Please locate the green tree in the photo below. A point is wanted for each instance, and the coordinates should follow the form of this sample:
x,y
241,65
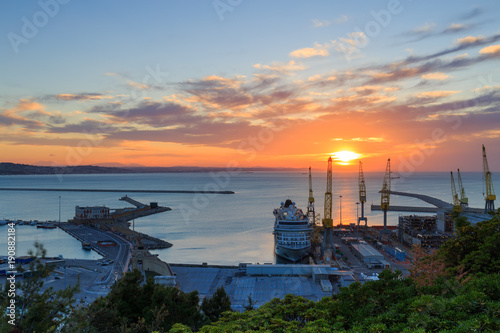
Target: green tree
x,y
214,306
134,306
475,247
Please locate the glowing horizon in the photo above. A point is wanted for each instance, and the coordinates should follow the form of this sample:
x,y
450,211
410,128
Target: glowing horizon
x,y
360,80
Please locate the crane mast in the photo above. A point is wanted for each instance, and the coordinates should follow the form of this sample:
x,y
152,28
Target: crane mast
x,y
464,201
456,202
362,194
490,193
310,203
385,193
327,220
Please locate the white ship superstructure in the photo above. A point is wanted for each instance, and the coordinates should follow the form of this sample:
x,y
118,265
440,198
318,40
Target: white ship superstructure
x,y
292,232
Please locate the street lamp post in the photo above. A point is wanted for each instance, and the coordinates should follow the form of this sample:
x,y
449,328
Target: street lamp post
x,y
59,209
357,218
340,197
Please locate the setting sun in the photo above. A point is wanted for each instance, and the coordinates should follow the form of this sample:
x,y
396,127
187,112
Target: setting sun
x,y
344,157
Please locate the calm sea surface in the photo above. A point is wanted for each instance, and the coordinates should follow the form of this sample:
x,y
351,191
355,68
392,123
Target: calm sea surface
x,y
218,229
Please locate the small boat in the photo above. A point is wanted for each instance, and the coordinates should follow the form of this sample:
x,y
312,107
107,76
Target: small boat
x,y
46,226
86,246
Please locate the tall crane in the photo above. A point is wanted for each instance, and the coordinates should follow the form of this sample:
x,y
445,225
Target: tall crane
x,y
456,202
490,193
310,203
385,193
327,220
464,201
362,194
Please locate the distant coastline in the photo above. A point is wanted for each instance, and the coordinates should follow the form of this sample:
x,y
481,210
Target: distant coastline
x,y
7,168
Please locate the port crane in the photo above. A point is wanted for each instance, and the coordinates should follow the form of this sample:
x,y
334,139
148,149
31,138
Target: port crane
x,y
490,193
310,203
385,193
464,201
362,194
456,201
327,220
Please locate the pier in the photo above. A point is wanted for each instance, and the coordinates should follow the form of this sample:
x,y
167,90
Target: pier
x,y
111,190
438,203
415,209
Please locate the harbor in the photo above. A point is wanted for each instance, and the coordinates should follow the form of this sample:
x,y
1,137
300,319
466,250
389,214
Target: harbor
x,y
312,258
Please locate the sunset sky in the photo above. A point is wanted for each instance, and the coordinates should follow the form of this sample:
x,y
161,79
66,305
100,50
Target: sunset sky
x,y
252,83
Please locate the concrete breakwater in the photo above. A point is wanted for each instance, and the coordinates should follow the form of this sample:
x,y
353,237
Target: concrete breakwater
x,y
111,190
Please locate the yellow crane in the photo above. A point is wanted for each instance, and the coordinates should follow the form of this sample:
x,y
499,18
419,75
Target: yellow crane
x,y
362,194
464,201
385,193
327,220
310,203
490,193
456,202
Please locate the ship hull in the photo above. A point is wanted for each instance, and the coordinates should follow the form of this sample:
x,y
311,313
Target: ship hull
x,y
292,254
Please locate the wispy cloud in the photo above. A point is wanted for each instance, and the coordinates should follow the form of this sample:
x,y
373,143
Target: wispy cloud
x,y
283,68
82,97
424,29
320,23
436,76
308,52
342,19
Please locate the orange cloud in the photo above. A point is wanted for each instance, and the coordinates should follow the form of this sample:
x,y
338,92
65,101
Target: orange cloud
x,y
309,52
436,76
283,68
88,97
470,40
492,49
436,94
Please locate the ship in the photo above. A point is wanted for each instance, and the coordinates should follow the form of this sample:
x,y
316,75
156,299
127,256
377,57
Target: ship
x,y
292,232
46,226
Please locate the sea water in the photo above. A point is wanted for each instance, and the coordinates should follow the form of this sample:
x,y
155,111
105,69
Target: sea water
x,y
212,228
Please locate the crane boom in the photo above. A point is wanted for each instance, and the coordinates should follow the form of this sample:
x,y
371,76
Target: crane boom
x,y
311,197
490,193
385,194
386,187
361,183
310,203
362,194
456,201
464,201
327,220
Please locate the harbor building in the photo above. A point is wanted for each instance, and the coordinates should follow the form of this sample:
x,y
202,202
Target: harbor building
x,y
92,213
370,256
422,231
